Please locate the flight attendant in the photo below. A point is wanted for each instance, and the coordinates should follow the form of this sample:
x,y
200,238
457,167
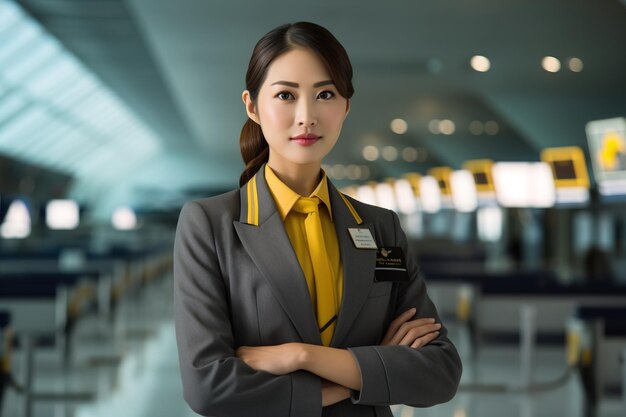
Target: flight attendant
x,y
290,298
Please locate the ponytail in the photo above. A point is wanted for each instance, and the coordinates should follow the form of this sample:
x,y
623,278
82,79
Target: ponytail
x,y
254,150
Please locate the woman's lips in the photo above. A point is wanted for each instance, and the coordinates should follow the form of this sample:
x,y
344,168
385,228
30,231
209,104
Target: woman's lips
x,y
306,139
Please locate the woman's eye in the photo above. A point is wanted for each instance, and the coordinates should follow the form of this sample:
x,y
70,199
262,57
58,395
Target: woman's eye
x,y
326,95
283,95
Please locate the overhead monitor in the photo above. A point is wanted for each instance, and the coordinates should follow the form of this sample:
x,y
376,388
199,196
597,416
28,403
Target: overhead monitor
x,y
464,195
124,218
430,194
442,175
62,214
569,171
405,197
385,196
524,184
568,166
607,148
16,223
414,180
366,194
481,171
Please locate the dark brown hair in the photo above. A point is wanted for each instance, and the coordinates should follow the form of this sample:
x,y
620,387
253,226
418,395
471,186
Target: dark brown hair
x,y
254,148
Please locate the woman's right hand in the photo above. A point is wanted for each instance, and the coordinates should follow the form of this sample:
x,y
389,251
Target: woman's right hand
x,y
414,333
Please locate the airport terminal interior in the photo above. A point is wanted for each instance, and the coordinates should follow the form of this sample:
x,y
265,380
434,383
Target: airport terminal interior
x,y
495,130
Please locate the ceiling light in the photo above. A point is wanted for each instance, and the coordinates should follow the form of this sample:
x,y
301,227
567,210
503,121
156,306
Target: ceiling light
x,y
447,127
399,126
476,128
575,64
353,172
433,126
480,63
365,172
339,172
409,154
491,127
551,64
390,153
371,153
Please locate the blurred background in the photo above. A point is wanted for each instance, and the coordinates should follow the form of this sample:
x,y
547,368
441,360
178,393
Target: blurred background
x,y
496,130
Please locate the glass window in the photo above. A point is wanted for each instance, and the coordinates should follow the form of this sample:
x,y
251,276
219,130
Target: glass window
x,y
59,76
73,93
37,58
9,15
17,45
18,125
10,105
55,112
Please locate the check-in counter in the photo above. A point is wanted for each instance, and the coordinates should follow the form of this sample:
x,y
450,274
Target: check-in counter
x,y
603,346
47,296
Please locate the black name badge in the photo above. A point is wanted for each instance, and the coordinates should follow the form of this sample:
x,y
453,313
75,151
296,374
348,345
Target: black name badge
x,y
390,265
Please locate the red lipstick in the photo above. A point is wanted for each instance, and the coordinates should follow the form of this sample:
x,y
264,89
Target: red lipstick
x,y
306,139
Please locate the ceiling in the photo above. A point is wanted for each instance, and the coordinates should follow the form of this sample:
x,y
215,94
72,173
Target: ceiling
x,y
181,65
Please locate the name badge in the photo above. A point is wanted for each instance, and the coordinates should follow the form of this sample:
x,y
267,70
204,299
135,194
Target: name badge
x,y
362,238
390,265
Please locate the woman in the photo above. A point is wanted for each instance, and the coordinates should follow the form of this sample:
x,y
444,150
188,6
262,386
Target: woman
x,y
292,299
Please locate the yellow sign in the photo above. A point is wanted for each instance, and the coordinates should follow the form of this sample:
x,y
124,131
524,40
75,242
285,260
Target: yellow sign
x,y
481,171
414,180
442,175
568,166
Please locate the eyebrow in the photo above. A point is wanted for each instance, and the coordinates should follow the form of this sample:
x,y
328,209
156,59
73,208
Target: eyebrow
x,y
296,85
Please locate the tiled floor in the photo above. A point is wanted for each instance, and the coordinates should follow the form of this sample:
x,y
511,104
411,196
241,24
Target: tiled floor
x,y
147,383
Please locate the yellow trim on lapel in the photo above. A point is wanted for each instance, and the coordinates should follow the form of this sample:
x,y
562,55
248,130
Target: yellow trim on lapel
x,y
352,210
253,202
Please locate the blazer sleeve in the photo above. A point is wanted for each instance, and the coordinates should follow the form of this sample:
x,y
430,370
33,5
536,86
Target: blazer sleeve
x,y
419,377
215,381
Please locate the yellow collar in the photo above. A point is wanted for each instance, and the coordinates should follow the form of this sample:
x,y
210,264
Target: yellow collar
x,y
285,197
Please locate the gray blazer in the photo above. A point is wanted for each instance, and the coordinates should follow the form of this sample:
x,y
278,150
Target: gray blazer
x,y
240,284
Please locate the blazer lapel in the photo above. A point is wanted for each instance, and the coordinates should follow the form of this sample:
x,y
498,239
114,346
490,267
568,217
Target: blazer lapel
x,y
358,266
268,245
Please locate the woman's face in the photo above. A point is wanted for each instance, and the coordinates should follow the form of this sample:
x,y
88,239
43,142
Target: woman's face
x,y
299,110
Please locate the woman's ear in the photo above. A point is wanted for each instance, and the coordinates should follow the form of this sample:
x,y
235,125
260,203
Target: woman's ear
x,y
347,108
250,107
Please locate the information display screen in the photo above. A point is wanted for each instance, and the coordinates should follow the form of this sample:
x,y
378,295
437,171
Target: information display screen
x,y
481,169
607,148
564,170
442,175
480,178
568,166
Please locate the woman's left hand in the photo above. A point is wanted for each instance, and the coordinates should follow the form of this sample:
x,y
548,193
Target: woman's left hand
x,y
277,360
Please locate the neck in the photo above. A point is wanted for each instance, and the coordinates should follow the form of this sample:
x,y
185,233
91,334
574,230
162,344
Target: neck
x,y
300,178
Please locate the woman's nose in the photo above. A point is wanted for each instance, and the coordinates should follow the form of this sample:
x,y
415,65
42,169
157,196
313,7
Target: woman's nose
x,y
306,114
